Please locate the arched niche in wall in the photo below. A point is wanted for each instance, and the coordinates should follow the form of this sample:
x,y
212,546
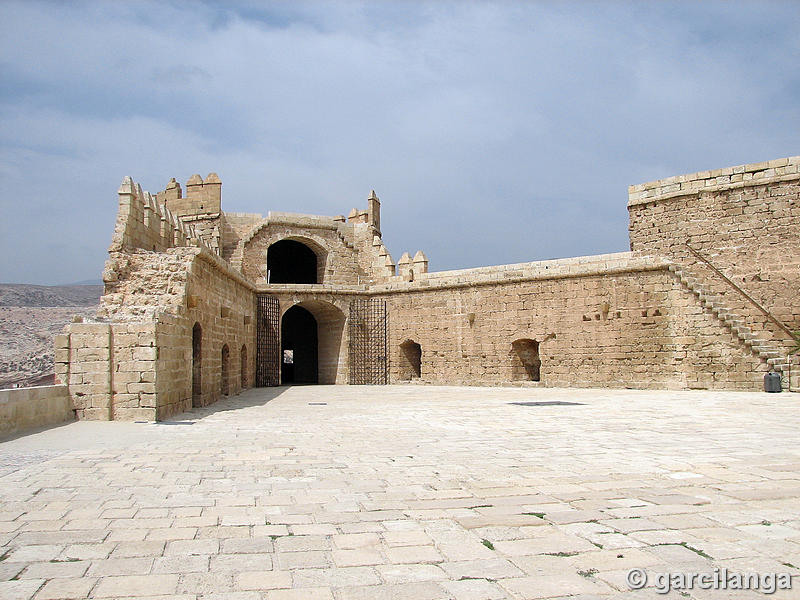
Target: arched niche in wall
x,y
526,364
410,360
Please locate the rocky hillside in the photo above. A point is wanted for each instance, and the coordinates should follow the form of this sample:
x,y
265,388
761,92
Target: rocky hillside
x,y
30,315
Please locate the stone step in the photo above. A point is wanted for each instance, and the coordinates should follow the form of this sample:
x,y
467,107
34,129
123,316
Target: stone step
x,y
744,333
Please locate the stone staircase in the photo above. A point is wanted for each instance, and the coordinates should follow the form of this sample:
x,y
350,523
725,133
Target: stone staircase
x,y
766,349
345,235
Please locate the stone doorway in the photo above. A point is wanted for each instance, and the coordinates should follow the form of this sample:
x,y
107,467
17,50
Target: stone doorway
x,y
243,371
226,362
299,347
197,370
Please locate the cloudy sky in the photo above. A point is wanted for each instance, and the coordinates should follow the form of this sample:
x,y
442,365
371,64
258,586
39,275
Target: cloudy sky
x,y
492,132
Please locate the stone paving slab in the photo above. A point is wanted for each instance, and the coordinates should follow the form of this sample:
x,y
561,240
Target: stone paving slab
x,y
407,492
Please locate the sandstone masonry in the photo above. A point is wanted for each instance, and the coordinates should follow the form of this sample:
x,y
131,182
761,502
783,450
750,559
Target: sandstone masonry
x,y
201,303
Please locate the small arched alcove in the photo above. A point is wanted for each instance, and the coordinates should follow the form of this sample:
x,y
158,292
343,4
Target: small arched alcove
x,y
290,261
410,360
226,359
526,364
197,371
244,366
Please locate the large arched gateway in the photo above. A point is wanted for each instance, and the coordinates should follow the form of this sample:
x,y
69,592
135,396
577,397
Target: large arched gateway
x,y
313,344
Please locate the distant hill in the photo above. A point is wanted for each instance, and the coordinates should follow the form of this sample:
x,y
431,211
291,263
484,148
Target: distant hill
x,y
87,282
30,315
22,294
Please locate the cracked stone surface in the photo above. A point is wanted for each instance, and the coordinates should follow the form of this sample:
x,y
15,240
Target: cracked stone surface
x,y
406,492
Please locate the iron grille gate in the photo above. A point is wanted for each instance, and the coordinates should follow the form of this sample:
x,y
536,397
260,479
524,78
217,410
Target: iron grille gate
x,y
268,342
369,342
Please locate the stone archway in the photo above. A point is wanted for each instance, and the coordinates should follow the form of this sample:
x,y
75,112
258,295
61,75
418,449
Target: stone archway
x,y
314,332
225,371
291,261
299,347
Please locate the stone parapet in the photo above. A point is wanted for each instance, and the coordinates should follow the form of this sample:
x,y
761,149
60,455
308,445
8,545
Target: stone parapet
x,y
584,266
773,171
142,223
23,409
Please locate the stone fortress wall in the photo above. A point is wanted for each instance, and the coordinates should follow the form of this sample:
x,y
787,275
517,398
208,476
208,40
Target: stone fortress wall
x,y
741,222
183,280
160,279
622,321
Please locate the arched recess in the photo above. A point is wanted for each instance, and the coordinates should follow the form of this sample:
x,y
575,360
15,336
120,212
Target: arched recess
x,y
226,360
197,365
313,333
526,364
243,366
410,360
295,260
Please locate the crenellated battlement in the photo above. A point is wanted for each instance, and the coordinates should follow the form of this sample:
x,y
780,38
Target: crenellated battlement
x,y
203,197
142,223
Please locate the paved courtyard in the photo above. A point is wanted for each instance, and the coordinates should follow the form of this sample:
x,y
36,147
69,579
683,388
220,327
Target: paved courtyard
x,y
407,492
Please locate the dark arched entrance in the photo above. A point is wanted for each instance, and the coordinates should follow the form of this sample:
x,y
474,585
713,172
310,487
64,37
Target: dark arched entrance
x,y
289,261
299,347
197,371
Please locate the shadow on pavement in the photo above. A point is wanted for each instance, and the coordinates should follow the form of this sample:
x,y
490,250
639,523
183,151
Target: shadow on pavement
x,y
549,403
246,399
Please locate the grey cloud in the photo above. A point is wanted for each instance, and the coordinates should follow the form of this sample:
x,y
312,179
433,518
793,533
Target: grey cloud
x,y
493,132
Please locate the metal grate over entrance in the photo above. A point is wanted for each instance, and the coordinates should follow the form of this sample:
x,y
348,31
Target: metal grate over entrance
x,y
369,342
268,341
